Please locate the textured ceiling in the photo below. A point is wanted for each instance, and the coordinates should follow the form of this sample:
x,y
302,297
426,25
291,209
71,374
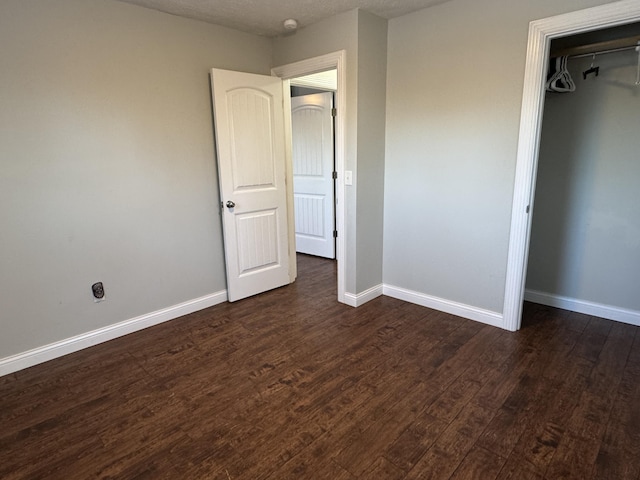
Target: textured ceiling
x,y
265,17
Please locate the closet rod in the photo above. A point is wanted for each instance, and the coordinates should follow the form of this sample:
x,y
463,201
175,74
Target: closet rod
x,y
599,48
603,52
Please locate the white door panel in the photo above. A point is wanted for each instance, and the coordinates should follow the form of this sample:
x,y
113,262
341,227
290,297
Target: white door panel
x,y
250,141
312,137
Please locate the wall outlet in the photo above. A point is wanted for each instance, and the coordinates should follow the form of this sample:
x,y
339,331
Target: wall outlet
x,y
98,292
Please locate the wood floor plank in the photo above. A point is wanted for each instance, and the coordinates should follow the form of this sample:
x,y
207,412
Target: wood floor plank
x,y
414,441
316,461
452,446
381,428
382,468
517,469
539,442
596,333
574,459
540,445
626,407
590,417
617,457
517,413
479,463
506,377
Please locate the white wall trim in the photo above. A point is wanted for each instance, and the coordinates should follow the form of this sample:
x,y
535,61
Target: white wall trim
x,y
63,347
355,300
609,312
541,32
335,60
454,308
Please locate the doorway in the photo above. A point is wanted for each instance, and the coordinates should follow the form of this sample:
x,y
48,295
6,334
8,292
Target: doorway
x,y
333,61
312,109
583,253
541,32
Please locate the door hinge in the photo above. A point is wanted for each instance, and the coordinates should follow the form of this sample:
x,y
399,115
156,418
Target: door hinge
x,y
334,112
334,175
335,234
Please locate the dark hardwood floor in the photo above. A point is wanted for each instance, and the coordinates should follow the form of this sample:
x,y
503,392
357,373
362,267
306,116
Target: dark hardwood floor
x,y
292,385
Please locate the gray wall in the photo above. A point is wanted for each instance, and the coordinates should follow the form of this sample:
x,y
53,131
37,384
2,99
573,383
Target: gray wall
x,y
107,167
454,90
585,241
364,37
372,71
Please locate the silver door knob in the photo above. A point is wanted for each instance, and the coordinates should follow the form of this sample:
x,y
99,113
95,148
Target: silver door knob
x,y
230,204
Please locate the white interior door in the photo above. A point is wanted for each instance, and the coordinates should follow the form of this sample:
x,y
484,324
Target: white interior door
x,y
250,140
313,187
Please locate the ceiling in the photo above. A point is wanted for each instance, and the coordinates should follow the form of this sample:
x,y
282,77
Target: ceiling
x,y
265,17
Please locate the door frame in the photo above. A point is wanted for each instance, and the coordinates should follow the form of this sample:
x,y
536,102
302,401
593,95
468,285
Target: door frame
x,y
541,32
335,60
333,164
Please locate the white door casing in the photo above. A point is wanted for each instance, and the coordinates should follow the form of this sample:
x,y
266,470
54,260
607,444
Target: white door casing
x,y
249,123
313,184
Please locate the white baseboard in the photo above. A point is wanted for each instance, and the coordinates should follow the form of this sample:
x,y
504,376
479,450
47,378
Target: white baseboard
x,y
63,347
582,306
461,310
355,300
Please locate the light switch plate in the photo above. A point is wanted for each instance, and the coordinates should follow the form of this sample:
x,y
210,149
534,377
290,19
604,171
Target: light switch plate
x,y
348,177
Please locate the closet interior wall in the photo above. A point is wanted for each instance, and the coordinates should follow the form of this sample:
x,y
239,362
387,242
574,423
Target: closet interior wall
x,y
585,236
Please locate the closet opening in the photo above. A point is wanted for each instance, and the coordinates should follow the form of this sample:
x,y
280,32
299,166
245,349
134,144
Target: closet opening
x,y
541,34
584,252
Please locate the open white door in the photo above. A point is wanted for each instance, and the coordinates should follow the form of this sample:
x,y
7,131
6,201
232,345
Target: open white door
x,y
250,140
313,167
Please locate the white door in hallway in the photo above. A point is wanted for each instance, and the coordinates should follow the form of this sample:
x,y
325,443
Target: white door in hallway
x,y
250,141
313,167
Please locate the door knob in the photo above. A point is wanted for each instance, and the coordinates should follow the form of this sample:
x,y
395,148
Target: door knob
x,y
230,204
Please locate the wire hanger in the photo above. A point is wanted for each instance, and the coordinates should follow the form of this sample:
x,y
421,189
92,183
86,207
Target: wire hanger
x,y
591,69
638,72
